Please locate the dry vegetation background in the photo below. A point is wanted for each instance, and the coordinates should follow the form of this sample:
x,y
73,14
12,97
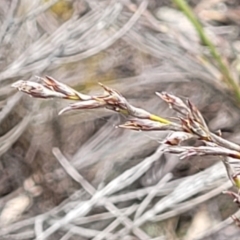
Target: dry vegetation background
x,y
76,176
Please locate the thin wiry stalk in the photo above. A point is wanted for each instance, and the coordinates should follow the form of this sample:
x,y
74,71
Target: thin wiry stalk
x,y
227,76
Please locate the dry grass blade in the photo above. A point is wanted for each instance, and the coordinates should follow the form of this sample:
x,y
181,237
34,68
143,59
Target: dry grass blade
x,y
96,196
9,138
185,190
114,224
72,171
67,236
104,216
151,195
8,20
183,207
84,232
219,226
19,236
111,40
10,104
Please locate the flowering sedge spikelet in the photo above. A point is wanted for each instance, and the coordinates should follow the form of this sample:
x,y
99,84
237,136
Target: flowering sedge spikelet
x,y
50,88
174,102
149,125
36,90
176,138
69,92
91,104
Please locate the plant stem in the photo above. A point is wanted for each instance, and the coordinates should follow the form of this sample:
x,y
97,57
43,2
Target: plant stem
x,y
185,8
159,119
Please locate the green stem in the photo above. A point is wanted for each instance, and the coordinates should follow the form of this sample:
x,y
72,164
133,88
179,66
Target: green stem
x,y
159,119
185,8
